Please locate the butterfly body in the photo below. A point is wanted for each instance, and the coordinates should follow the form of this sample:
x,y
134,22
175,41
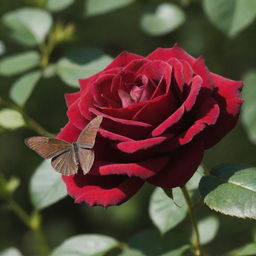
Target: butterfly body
x,y
68,157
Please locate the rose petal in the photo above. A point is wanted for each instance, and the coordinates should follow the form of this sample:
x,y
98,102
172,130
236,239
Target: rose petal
x,y
134,146
123,59
75,116
70,98
187,71
165,54
69,133
144,169
183,163
200,68
113,136
102,190
227,94
178,72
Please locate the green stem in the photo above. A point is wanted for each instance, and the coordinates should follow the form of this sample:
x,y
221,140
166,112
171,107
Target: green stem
x,y
196,243
31,123
27,220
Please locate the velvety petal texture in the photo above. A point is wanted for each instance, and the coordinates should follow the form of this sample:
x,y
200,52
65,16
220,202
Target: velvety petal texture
x,y
160,113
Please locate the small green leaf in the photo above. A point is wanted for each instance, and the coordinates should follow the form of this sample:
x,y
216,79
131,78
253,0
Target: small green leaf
x,y
86,245
177,252
166,18
247,250
97,7
11,119
231,190
249,106
11,252
58,5
208,229
23,87
19,63
231,16
70,72
29,26
167,213
46,186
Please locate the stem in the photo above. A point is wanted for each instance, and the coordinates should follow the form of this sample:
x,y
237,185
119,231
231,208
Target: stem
x,y
31,123
196,243
27,220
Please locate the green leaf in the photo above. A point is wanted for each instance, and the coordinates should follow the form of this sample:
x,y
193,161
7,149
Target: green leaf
x,y
70,72
19,63
23,87
231,190
249,249
208,229
86,245
11,252
249,106
29,26
58,5
97,7
166,213
46,186
231,16
131,252
194,181
166,18
177,252
11,119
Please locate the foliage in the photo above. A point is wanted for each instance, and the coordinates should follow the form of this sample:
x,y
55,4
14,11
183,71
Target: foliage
x,y
45,47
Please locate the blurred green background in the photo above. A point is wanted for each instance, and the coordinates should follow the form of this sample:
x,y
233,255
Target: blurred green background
x,y
139,27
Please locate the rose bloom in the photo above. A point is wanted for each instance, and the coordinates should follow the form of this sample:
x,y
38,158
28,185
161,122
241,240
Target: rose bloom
x,y
161,112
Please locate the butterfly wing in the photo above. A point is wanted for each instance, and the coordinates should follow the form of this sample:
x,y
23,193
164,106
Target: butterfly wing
x,y
88,135
47,147
86,159
65,163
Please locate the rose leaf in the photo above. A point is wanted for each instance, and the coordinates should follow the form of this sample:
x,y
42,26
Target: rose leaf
x,y
46,186
249,249
28,26
11,119
11,252
231,16
23,87
249,106
166,18
87,245
19,63
166,213
57,5
231,190
97,7
177,252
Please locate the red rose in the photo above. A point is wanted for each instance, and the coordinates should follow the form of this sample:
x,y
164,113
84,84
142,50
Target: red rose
x,y
160,113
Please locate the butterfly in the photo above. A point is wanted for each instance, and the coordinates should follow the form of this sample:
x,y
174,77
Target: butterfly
x,y
67,157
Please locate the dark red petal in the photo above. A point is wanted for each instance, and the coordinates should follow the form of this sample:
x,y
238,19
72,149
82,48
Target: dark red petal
x,y
70,98
75,116
189,102
134,146
187,71
143,170
178,72
123,59
227,94
200,69
157,70
102,190
68,133
170,121
165,54
183,163
113,136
